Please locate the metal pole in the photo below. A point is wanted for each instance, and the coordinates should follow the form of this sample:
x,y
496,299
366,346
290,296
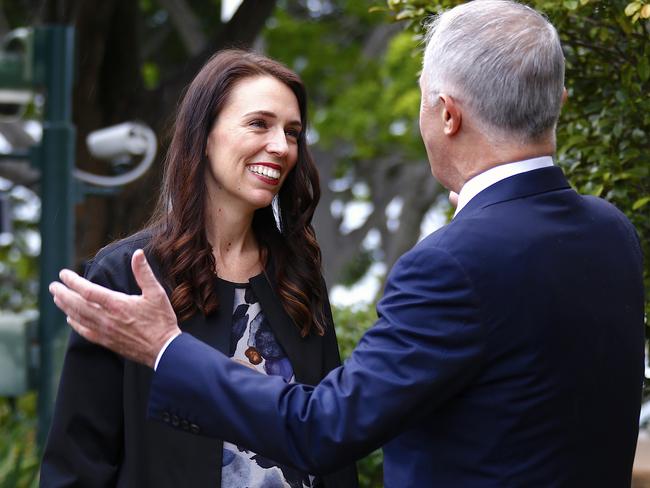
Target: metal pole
x,y
54,65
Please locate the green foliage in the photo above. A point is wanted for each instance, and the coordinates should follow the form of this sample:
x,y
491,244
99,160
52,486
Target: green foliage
x,y
350,326
150,75
638,10
18,450
603,136
363,97
19,251
356,268
603,133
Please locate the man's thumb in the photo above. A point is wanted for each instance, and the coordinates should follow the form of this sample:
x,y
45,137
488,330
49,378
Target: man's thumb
x,y
143,274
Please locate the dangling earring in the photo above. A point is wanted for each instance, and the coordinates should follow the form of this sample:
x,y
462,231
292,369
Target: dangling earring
x,y
277,215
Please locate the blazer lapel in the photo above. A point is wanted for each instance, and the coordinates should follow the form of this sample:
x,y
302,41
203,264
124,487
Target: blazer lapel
x,y
215,329
518,186
305,354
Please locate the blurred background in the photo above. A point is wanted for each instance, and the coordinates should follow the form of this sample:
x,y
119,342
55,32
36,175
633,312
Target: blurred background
x,y
70,68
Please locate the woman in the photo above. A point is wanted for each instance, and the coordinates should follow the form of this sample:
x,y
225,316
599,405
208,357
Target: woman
x,y
241,277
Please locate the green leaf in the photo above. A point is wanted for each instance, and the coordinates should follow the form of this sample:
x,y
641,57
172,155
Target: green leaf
x,y
643,68
632,8
405,14
596,190
150,75
645,12
640,203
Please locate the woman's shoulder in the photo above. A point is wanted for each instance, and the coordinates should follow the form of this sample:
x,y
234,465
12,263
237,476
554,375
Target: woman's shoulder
x,y
124,248
111,266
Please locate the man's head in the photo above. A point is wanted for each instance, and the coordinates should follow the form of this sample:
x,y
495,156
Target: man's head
x,y
500,65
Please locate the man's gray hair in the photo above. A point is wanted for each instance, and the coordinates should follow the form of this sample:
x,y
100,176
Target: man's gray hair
x,y
503,60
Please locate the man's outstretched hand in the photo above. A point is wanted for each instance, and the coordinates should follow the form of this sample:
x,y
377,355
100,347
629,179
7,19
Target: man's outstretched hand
x,y
134,326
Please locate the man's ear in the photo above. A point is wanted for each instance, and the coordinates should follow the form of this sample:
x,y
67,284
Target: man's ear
x,y
565,95
451,115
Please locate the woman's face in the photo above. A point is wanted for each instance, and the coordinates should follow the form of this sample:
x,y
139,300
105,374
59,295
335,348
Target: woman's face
x,y
253,144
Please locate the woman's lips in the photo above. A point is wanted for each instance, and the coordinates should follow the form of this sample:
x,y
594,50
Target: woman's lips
x,y
267,172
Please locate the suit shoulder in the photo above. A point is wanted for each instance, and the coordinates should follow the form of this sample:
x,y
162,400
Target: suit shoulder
x,y
444,241
436,255
602,206
609,211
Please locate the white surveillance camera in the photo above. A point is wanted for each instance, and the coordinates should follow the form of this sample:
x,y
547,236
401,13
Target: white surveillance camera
x,y
118,144
119,141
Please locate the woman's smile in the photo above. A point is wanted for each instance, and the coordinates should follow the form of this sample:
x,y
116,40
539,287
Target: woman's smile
x,y
266,172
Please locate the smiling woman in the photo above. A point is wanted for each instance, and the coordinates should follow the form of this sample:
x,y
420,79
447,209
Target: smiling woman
x,y
239,279
253,145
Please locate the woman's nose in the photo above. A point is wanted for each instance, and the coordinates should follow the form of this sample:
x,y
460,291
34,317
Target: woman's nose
x,y
277,144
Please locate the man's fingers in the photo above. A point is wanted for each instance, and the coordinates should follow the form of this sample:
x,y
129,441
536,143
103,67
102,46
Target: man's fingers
x,y
144,276
85,332
90,291
75,306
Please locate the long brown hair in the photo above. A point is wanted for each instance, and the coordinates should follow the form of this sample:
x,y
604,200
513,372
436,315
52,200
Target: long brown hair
x,y
180,241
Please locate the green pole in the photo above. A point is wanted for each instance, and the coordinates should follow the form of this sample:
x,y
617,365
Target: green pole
x,y
54,68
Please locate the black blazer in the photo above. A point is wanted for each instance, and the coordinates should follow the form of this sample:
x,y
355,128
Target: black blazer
x,y
100,436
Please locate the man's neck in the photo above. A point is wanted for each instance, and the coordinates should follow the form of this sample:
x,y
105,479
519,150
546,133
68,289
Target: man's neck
x,y
495,174
483,157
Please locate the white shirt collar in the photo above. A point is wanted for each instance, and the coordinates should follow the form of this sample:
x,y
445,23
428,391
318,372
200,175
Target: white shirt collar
x,y
480,182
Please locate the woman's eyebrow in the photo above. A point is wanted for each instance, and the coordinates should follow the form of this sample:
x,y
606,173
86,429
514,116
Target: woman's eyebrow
x,y
272,115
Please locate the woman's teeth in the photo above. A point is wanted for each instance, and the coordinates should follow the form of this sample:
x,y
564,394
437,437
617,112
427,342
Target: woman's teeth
x,y
264,171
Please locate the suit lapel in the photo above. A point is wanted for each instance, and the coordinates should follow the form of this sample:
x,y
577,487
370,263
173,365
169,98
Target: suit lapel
x,y
518,186
305,354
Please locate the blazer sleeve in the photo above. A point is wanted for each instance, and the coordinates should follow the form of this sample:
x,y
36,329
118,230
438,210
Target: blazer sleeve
x,y
84,446
426,345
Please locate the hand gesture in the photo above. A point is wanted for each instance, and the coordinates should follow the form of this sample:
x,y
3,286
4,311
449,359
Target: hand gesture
x,y
134,326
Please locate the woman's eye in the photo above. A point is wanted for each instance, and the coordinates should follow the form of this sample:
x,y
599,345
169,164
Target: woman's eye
x,y
294,133
259,123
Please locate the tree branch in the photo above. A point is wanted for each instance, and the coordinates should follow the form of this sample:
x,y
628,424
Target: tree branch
x,y
187,25
240,31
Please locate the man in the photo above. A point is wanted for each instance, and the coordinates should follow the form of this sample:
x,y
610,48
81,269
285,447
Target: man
x,y
509,345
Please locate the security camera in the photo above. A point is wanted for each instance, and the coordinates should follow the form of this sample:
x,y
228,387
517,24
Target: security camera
x,y
119,144
117,141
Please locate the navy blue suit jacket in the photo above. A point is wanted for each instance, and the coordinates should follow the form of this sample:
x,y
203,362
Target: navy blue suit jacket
x,y
508,352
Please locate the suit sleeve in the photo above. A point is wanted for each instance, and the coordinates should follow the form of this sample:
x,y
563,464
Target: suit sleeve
x,y
332,355
426,345
84,446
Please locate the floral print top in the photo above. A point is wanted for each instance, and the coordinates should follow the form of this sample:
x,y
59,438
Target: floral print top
x,y
253,344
